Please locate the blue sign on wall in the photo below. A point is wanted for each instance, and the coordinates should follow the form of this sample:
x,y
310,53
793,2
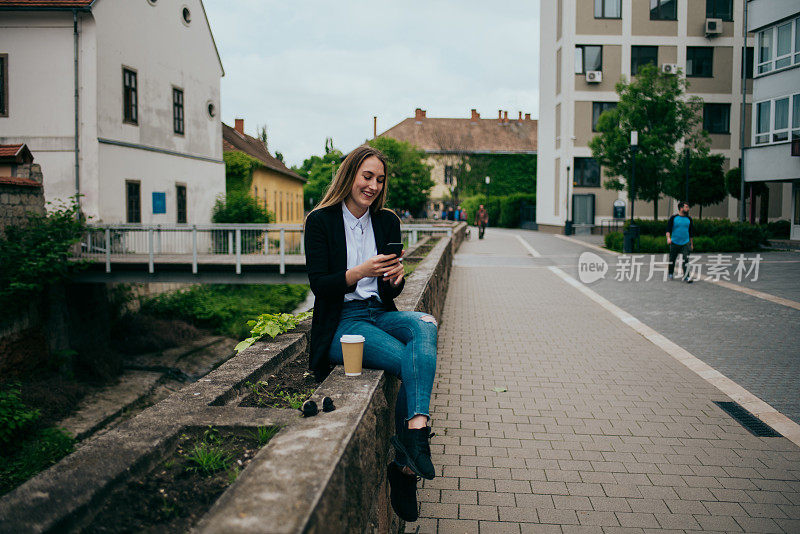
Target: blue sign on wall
x,y
159,202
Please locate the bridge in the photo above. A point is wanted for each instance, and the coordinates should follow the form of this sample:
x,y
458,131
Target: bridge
x,y
209,253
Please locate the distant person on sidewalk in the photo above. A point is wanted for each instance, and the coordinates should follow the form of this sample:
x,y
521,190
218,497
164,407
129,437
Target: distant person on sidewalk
x,y
680,238
481,220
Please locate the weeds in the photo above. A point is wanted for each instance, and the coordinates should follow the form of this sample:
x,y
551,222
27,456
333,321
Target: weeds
x,y
282,398
265,433
208,458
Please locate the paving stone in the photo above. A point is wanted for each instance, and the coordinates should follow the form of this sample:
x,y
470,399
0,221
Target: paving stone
x,y
622,433
496,527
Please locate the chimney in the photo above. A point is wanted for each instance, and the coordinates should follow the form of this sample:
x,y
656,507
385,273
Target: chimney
x,y
419,114
505,117
527,116
239,126
475,115
500,114
375,126
520,117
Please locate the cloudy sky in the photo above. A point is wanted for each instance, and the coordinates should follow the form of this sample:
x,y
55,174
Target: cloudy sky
x,y
320,68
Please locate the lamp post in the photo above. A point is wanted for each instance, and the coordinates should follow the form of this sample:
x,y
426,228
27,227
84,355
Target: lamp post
x,y
567,220
488,181
686,155
631,235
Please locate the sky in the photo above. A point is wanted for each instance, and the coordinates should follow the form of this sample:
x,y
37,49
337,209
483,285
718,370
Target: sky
x,y
313,69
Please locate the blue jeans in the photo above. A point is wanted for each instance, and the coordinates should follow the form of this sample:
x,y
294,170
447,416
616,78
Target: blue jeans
x,y
399,342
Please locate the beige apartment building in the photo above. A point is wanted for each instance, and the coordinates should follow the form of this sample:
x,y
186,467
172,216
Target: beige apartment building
x,y
587,46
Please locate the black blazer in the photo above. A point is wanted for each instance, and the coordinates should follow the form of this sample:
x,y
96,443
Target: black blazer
x,y
326,263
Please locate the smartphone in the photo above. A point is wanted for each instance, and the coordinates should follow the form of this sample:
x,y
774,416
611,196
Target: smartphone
x,y
394,248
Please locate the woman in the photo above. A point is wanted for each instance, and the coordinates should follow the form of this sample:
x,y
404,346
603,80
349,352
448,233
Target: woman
x,y
355,283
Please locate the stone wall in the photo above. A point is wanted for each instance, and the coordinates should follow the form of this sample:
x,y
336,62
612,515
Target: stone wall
x,y
18,197
321,474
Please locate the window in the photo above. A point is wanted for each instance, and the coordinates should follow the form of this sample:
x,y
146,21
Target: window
x,y
777,120
641,56
748,63
719,9
663,9
700,61
607,9
448,174
597,109
177,110
778,46
717,118
3,85
180,195
129,97
133,201
588,58
587,172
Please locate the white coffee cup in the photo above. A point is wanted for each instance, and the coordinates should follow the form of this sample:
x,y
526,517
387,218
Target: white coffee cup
x,y
352,353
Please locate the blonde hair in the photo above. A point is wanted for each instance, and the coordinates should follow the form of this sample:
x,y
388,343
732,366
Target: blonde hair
x,y
342,183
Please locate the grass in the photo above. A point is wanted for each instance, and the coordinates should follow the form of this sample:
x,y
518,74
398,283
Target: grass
x,y
278,397
31,455
225,309
265,433
208,458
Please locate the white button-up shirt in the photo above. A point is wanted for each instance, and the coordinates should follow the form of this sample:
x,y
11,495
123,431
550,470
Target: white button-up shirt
x,y
360,239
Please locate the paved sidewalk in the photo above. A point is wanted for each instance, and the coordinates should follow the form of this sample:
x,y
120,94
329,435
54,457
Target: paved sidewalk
x,y
598,430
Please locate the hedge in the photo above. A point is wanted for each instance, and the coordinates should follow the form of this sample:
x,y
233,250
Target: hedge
x,y
504,211
746,236
650,244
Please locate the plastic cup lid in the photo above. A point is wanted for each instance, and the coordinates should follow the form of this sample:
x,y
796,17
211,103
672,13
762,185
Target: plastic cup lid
x,y
352,338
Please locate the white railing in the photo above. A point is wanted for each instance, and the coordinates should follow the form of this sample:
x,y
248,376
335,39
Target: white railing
x,y
211,243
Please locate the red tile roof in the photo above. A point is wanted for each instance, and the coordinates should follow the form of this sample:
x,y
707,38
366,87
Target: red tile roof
x,y
25,182
476,135
233,140
15,154
39,4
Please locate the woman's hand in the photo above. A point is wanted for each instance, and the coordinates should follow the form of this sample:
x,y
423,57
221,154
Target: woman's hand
x,y
396,274
376,266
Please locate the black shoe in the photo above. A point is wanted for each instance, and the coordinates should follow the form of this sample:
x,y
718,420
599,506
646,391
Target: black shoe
x,y
403,493
415,444
688,280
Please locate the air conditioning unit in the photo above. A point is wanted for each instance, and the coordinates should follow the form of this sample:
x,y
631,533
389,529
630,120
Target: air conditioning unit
x,y
594,76
669,68
713,27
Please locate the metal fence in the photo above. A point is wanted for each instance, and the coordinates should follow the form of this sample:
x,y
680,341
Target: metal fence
x,y
210,243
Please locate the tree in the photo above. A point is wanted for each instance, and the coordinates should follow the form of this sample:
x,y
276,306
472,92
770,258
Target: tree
x,y
707,184
262,134
652,105
409,177
757,189
318,172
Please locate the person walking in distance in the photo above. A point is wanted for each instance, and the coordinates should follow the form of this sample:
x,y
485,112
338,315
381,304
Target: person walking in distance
x,y
481,220
680,238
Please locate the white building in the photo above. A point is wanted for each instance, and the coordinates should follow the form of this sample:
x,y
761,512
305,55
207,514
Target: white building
x,y
586,47
775,153
146,114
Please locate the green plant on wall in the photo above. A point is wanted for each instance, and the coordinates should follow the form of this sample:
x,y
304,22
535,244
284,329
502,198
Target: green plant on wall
x,y
239,168
35,256
271,324
509,174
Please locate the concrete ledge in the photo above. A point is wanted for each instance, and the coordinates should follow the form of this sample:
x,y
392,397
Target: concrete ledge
x,y
322,474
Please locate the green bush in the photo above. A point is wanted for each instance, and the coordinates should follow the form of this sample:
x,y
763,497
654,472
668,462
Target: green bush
x,y
614,241
704,244
748,236
727,243
14,415
33,455
239,207
779,229
35,256
226,309
652,244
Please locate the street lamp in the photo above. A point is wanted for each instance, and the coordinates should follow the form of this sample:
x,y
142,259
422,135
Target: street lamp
x,y
631,236
567,220
488,181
